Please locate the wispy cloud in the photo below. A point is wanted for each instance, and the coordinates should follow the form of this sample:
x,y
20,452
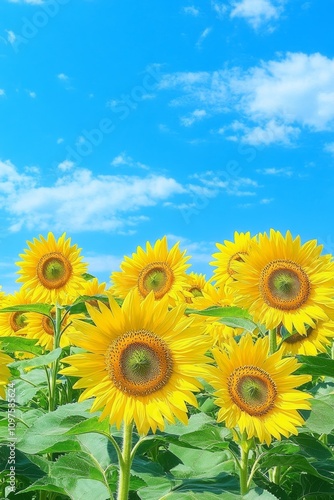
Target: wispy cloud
x,y
2,92
301,83
212,183
280,172
193,117
257,12
220,8
270,133
80,200
191,10
205,33
30,2
124,160
66,165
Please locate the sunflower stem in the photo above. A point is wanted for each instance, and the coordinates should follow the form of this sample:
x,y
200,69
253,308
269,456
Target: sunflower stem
x,y
272,341
55,364
125,463
245,447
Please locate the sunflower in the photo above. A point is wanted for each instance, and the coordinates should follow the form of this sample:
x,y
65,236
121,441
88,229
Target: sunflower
x,y
41,327
52,269
91,288
229,253
220,297
142,363
281,281
4,372
13,323
157,269
256,391
316,340
194,288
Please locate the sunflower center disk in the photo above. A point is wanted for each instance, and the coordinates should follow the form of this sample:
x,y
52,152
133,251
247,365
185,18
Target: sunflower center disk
x,y
158,277
139,363
196,292
17,321
252,390
284,285
54,270
47,326
296,338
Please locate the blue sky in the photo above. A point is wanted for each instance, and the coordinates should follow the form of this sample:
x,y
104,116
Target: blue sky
x,y
125,121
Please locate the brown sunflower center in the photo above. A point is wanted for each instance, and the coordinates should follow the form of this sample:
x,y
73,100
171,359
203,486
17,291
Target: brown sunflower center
x,y
195,292
252,390
47,325
157,276
284,285
17,321
54,270
237,257
296,338
139,363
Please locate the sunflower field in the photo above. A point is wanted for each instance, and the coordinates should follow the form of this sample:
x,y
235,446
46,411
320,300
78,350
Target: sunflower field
x,y
165,384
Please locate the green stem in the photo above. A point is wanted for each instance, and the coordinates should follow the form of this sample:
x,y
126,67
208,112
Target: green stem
x,y
55,364
125,463
245,445
272,341
244,470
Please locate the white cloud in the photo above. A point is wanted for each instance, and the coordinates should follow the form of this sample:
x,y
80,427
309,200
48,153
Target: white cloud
x,y
191,10
60,140
214,182
201,89
256,12
30,2
2,92
32,94
275,100
66,165
219,8
270,133
12,183
302,85
285,172
205,33
193,117
80,200
62,77
127,161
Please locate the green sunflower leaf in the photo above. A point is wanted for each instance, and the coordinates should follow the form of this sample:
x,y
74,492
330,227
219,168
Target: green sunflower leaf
x,y
44,360
317,366
77,475
222,312
321,418
37,308
20,344
312,447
